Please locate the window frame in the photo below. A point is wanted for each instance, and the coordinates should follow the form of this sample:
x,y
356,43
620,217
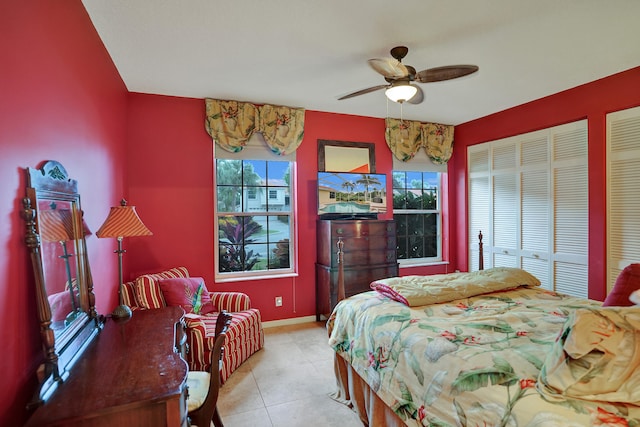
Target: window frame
x,y
415,262
247,275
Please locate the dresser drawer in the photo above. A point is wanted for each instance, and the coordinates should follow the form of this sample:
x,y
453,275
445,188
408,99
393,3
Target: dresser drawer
x,y
366,257
363,229
358,280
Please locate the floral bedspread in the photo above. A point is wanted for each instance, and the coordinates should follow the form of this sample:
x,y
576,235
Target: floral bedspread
x,y
468,362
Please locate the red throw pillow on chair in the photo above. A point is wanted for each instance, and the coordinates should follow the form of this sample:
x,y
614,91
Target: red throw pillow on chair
x,y
189,293
627,282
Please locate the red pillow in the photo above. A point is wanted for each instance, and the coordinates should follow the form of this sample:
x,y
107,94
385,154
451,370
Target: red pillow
x,y
189,293
627,282
60,305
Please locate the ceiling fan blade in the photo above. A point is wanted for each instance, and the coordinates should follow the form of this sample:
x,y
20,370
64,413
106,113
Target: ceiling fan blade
x,y
363,91
448,72
418,97
389,68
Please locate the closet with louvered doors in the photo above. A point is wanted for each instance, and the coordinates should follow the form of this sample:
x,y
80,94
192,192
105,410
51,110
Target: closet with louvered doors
x,y
623,181
529,196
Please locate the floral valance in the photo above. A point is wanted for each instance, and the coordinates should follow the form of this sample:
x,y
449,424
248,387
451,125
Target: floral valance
x,y
406,137
231,124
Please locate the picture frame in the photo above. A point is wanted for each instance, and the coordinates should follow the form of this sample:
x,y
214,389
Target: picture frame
x,y
346,156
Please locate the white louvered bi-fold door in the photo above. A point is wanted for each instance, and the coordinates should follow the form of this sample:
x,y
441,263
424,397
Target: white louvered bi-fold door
x,y
570,177
528,194
479,205
534,206
504,245
623,184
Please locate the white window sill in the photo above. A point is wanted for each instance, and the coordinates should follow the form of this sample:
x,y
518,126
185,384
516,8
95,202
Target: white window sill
x,y
225,279
421,264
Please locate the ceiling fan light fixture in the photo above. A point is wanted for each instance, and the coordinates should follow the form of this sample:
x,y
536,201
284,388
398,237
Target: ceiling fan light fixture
x,y
401,92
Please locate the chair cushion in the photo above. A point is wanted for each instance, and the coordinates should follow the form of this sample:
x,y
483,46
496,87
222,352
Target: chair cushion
x,y
198,383
148,292
627,282
189,293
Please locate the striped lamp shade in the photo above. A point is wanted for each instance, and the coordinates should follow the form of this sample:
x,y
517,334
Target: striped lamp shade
x,y
55,225
123,221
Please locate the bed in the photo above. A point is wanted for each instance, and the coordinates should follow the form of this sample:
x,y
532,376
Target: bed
x,y
488,348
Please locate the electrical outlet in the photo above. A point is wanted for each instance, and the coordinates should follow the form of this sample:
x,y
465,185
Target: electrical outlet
x,y
278,301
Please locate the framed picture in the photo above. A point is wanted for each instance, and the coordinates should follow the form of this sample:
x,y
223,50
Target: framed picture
x,y
346,156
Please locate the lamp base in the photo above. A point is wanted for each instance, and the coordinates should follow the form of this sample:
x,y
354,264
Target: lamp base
x,y
121,313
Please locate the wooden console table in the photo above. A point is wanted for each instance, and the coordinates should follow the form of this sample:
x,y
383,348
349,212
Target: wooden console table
x,y
132,374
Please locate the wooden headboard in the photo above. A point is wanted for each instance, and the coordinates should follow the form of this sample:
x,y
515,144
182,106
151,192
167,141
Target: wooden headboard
x,y
340,253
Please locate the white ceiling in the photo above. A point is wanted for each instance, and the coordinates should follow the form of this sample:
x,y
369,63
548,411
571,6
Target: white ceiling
x,y
308,53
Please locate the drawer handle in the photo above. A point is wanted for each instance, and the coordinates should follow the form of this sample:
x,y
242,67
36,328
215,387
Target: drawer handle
x,y
339,231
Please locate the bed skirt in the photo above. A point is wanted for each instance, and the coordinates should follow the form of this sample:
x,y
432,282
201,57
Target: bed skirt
x,y
354,392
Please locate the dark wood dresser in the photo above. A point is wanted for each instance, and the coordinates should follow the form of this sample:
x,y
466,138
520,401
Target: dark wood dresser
x,y
131,374
369,253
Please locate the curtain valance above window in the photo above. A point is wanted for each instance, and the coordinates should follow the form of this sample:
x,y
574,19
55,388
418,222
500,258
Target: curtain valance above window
x,y
406,137
231,124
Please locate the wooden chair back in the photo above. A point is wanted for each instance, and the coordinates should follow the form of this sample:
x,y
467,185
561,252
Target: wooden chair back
x,y
203,416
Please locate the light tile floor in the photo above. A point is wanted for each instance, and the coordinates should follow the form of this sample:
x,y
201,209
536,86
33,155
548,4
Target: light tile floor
x,y
286,384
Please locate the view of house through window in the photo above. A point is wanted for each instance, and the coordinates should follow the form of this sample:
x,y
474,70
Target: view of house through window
x,y
254,217
416,210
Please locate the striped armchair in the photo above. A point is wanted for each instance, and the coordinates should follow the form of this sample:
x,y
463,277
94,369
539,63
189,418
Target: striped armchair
x,y
244,337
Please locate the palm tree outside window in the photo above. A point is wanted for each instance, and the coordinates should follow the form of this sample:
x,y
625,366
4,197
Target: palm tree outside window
x,y
254,218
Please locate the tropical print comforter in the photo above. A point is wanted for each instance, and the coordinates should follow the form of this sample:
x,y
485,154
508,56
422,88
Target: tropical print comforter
x,y
474,361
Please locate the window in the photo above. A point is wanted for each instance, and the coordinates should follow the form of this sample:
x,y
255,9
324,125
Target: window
x,y
416,210
254,218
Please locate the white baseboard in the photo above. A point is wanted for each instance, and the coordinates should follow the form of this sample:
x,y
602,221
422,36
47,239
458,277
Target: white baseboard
x,y
292,321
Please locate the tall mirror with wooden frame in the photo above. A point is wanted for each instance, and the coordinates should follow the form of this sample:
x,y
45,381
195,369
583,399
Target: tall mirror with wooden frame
x,y
55,235
346,156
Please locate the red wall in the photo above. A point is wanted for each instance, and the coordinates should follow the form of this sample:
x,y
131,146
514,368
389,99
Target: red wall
x,y
61,99
170,177
591,101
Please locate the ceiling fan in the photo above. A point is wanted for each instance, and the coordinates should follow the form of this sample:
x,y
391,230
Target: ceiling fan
x,y
400,76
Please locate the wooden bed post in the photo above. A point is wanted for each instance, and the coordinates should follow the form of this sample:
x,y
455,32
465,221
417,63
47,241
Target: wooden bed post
x,y
341,291
480,252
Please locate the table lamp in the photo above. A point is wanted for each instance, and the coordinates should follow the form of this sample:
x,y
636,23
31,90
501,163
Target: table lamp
x,y
122,221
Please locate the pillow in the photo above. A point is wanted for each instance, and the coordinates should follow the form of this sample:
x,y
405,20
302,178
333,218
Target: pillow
x,y
438,288
189,293
60,305
148,293
627,282
128,294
